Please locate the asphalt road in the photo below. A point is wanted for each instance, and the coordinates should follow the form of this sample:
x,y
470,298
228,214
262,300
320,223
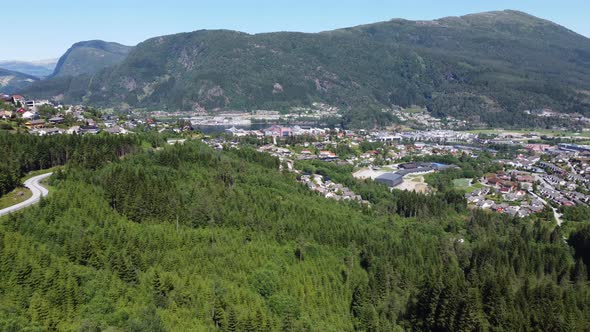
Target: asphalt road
x,y
36,188
556,214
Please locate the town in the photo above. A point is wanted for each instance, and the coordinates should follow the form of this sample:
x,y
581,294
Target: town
x,y
534,171
527,178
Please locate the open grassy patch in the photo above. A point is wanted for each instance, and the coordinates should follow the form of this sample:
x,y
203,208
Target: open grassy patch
x,y
464,185
413,110
14,197
465,182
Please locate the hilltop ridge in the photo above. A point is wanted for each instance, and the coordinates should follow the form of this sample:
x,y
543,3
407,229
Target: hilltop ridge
x,y
486,67
88,57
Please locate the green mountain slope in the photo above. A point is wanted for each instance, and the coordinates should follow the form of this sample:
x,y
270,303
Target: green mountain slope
x,y
485,67
88,57
12,81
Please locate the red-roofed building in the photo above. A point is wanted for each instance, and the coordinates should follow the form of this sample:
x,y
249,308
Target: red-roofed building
x,y
538,147
491,179
18,99
278,131
525,178
505,190
327,154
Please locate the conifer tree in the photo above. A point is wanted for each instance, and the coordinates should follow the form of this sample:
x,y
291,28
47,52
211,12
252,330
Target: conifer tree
x,y
219,317
232,321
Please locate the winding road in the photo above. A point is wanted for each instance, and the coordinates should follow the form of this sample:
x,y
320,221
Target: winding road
x,y
36,188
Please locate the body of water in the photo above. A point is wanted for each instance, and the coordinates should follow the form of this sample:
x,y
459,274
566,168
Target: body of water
x,y
254,126
223,128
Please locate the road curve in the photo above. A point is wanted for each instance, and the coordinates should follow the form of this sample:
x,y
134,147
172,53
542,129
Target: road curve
x,y
36,188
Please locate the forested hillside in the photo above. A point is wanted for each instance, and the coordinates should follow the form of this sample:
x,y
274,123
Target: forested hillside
x,y
487,67
23,153
191,239
88,57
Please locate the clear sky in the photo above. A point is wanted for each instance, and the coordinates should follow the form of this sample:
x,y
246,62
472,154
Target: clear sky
x,y
42,29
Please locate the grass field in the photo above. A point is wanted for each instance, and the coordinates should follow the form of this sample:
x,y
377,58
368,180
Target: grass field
x,y
465,185
14,197
413,110
21,194
459,183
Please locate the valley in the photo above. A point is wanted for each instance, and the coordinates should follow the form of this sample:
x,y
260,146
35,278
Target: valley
x,y
402,175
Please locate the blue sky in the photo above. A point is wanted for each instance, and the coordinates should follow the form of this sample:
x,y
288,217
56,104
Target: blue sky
x,y
46,28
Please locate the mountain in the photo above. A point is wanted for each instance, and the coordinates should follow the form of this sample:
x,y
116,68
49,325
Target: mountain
x,y
485,67
12,81
82,58
88,57
40,69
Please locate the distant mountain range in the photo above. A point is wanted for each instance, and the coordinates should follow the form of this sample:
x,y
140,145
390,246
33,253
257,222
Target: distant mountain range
x,y
13,81
40,69
484,67
86,57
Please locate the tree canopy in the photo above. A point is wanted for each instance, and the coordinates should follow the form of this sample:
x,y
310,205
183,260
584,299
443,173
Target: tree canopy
x,y
187,238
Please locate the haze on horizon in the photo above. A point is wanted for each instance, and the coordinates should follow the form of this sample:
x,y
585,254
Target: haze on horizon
x,y
52,27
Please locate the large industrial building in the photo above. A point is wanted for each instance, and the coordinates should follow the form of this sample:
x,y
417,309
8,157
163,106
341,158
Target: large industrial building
x,y
390,179
395,179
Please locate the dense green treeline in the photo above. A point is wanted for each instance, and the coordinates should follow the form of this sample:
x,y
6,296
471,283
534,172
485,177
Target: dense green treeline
x,y
469,167
188,238
22,153
403,203
576,213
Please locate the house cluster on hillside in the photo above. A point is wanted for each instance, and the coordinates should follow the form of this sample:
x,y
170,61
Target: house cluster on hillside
x,y
561,178
279,131
439,136
41,117
563,187
21,102
329,189
549,113
527,163
421,118
507,192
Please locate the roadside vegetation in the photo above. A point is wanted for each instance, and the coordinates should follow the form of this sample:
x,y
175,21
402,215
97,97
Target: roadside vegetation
x,y
16,196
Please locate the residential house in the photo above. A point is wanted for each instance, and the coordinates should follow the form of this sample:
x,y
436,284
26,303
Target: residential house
x,y
5,114
28,115
73,130
47,131
116,130
56,120
16,99
93,130
35,124
524,178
